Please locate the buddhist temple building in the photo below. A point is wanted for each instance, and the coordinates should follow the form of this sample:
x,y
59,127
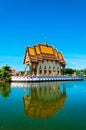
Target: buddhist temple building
x,y
43,60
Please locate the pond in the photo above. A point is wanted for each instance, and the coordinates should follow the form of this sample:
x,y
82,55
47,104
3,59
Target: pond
x,y
43,106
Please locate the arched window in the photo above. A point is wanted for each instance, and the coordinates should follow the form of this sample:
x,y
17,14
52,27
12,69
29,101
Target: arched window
x,y
49,68
45,70
57,71
49,72
53,67
40,70
40,67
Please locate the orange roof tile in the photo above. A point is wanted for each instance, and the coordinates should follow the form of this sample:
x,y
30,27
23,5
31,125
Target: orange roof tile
x,y
31,51
60,55
45,49
37,50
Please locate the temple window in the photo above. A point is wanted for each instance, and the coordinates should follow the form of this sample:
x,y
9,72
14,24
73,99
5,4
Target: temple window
x,y
40,67
40,71
49,68
54,68
45,70
49,72
57,72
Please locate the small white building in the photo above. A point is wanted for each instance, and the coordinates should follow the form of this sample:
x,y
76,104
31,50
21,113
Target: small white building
x,y
43,60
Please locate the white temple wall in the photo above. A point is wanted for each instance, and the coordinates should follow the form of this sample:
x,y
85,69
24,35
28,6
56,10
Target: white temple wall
x,y
53,66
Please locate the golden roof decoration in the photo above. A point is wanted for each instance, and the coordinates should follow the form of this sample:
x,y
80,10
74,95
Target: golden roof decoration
x,y
31,51
46,49
37,50
42,52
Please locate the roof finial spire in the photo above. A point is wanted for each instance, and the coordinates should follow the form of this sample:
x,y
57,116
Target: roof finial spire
x,y
45,41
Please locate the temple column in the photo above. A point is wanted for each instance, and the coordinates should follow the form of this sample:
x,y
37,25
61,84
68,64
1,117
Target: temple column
x,y
47,72
42,71
30,69
25,67
37,70
52,72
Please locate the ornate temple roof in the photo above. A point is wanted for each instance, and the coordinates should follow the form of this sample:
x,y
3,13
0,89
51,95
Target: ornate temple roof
x,y
42,52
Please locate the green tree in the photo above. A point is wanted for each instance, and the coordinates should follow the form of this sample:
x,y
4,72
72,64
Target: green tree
x,y
68,71
5,73
84,71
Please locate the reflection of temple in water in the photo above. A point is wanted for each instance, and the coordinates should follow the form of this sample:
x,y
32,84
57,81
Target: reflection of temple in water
x,y
42,101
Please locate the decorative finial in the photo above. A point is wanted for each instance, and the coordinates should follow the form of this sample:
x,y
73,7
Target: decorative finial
x,y
45,42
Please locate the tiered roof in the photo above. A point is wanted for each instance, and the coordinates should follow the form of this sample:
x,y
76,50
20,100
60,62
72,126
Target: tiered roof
x,y
44,52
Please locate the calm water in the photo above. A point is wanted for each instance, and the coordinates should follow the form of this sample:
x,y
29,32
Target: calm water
x,y
43,106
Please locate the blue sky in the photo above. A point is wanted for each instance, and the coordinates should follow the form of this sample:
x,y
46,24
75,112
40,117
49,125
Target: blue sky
x,y
26,22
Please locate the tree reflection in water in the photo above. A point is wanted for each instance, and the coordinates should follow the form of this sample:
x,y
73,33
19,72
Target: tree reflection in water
x,y
43,101
5,89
